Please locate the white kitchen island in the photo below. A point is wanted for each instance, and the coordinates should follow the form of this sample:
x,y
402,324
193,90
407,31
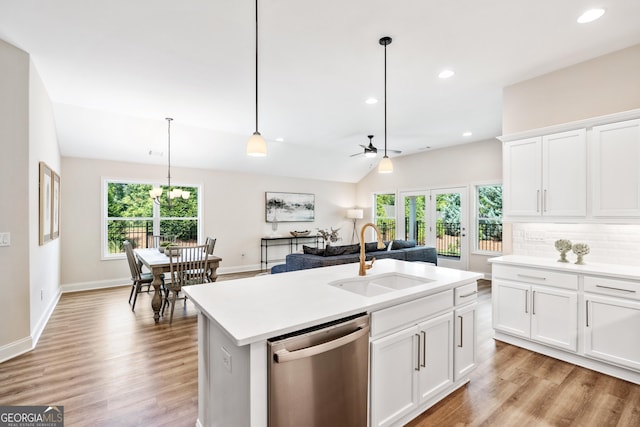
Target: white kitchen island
x,y
237,317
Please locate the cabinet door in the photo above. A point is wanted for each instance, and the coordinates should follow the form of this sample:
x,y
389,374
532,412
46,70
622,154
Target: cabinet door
x,y
615,169
611,330
436,356
510,303
554,317
394,362
564,174
522,177
464,357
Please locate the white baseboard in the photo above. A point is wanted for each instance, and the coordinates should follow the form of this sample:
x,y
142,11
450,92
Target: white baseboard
x,y
44,319
98,284
16,348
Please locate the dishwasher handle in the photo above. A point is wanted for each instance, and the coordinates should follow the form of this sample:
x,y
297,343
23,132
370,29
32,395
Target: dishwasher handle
x,y
284,355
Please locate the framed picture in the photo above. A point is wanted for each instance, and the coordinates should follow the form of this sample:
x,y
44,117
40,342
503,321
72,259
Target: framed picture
x,y
289,207
55,207
46,203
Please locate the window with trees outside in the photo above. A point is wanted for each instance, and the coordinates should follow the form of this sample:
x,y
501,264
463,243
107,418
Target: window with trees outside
x,y
488,224
130,214
385,215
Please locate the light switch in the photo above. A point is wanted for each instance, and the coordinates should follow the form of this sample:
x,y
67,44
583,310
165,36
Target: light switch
x,y
5,239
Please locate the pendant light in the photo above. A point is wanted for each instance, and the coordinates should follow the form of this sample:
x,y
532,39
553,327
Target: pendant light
x,y
156,192
385,165
256,146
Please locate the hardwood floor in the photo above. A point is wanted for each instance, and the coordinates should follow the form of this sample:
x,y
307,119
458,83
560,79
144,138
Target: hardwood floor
x,y
111,367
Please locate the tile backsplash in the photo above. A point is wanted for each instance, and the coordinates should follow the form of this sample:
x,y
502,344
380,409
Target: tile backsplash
x,y
608,243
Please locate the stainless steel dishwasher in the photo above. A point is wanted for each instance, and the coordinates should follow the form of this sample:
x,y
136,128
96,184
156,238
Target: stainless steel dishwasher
x,y
318,377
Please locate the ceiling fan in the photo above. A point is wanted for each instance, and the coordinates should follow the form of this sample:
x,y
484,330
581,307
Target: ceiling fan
x,y
371,151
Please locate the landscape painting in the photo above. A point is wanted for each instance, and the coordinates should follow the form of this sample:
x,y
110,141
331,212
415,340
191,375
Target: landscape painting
x,y
289,207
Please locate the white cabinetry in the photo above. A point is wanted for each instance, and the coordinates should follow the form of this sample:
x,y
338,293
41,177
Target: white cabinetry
x,y
537,305
416,357
612,321
615,169
546,176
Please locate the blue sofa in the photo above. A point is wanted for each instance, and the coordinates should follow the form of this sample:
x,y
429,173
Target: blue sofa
x,y
405,250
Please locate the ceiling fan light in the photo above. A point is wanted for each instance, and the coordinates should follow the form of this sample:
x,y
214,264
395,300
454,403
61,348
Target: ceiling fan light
x,y
385,165
256,146
370,154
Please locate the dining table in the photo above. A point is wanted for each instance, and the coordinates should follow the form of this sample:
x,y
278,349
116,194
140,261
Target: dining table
x,y
159,263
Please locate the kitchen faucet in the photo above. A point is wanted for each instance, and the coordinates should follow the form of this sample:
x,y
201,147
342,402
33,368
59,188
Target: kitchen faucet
x,y
363,265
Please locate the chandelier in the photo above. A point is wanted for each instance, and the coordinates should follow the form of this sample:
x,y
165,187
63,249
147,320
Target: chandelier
x,y
172,193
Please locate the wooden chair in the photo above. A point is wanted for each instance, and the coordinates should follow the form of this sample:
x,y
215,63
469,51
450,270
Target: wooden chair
x,y
187,269
210,243
138,278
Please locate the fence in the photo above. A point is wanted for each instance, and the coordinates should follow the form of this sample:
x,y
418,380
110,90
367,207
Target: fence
x,y
140,233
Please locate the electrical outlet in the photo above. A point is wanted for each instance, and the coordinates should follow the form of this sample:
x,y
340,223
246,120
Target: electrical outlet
x,y
226,358
5,239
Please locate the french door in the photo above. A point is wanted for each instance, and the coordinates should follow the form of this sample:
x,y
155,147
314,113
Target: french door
x,y
437,218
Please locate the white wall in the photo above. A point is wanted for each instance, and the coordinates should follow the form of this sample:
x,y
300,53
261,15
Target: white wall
x,y
27,136
462,165
233,213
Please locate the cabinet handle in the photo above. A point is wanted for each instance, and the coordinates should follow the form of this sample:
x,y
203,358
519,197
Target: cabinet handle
x,y
526,301
538,201
526,276
631,291
533,303
417,368
544,201
461,329
587,313
424,349
469,294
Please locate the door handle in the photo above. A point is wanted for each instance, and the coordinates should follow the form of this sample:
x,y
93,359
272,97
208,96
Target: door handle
x,y
284,355
587,313
417,368
538,201
533,302
544,201
526,301
461,329
424,349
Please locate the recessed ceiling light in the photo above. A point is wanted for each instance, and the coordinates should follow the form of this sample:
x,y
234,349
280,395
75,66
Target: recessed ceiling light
x,y
590,16
280,139
445,74
467,134
371,101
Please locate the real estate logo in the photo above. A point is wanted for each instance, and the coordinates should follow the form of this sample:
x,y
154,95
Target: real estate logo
x,y
31,416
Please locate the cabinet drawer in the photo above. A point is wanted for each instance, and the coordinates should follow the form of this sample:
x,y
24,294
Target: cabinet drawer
x,y
410,313
537,277
465,294
614,287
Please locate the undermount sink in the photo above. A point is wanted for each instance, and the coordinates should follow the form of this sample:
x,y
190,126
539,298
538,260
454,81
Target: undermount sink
x,y
370,286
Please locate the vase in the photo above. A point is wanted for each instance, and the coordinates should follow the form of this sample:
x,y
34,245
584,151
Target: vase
x,y
580,260
563,257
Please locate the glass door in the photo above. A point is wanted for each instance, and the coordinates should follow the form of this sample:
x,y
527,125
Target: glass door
x,y
448,226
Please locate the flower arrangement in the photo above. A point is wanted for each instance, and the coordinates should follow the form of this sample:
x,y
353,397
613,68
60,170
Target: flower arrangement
x,y
329,236
563,246
580,249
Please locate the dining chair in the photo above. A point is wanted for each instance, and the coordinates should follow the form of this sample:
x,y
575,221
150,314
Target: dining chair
x,y
138,278
188,268
210,242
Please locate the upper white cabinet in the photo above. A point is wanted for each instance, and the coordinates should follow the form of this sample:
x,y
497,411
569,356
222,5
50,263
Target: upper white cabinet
x,y
546,176
615,169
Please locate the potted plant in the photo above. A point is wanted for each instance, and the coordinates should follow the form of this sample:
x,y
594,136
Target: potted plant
x,y
163,246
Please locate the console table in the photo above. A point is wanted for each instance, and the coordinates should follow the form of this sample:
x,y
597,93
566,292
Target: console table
x,y
291,241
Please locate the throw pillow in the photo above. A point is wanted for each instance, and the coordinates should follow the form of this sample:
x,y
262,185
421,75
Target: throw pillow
x,y
309,250
342,250
403,244
373,247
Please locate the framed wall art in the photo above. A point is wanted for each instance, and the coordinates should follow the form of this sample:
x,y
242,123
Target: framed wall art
x,y
49,204
289,207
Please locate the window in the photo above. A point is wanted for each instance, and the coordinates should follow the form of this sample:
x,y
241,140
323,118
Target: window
x,y
130,214
488,224
385,215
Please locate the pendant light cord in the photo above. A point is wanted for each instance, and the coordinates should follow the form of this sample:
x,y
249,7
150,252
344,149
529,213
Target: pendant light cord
x,y
257,66
385,100
169,160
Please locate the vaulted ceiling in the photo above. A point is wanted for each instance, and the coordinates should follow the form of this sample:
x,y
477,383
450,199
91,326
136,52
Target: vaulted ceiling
x,y
115,69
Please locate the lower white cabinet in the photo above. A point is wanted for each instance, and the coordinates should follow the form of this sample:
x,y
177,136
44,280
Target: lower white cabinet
x,y
410,366
464,358
539,313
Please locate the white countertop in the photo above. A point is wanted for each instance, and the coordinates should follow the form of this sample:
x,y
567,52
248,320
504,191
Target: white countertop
x,y
257,308
613,270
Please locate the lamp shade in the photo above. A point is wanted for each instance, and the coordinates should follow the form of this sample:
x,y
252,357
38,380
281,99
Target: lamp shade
x,y
385,165
256,146
355,213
